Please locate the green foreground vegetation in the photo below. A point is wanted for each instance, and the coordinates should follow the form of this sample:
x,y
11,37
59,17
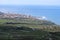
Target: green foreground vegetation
x,y
27,29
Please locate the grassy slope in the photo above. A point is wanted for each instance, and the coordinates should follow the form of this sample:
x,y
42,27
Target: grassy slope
x,y
9,31
31,23
12,32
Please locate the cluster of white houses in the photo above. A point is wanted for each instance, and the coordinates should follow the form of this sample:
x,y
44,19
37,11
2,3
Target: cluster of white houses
x,y
16,15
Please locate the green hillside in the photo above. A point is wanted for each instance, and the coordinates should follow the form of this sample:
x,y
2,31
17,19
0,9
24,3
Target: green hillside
x,y
40,24
28,29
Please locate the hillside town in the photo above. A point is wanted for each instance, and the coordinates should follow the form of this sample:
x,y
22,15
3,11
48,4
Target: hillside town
x,y
17,15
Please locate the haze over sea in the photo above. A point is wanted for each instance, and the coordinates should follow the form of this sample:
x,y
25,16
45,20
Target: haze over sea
x,y
51,12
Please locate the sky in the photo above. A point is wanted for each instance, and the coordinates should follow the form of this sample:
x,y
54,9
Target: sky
x,y
30,2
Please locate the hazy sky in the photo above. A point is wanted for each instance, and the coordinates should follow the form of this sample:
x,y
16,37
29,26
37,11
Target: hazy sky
x,y
29,2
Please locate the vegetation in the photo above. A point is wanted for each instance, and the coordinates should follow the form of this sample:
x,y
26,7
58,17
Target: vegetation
x,y
28,29
21,33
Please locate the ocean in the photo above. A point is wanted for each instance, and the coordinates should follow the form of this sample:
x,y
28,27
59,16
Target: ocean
x,y
52,13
